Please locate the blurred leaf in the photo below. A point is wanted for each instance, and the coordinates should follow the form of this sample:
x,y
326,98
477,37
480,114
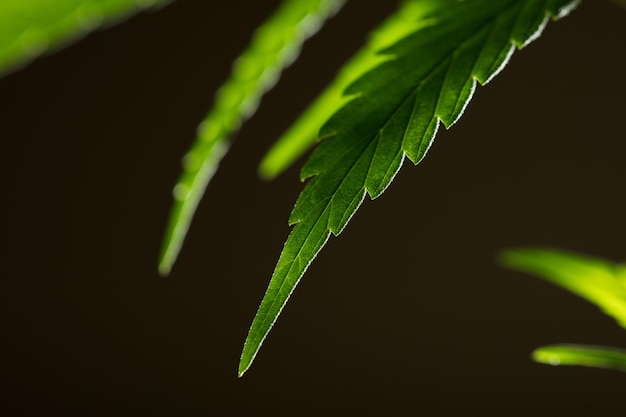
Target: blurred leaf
x,y
428,75
600,282
593,356
274,46
31,27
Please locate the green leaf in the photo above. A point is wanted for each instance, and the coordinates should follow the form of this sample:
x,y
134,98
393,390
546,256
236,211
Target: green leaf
x,y
303,133
600,282
273,47
394,111
594,356
31,27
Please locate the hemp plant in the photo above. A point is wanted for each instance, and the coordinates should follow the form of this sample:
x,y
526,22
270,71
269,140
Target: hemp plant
x,y
418,71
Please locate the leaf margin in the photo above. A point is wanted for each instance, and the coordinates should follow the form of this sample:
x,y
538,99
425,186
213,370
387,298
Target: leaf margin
x,y
261,325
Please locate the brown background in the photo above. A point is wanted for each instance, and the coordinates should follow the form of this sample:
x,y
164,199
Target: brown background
x,y
407,313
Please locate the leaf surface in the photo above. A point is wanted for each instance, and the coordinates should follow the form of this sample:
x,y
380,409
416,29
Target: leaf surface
x,y
273,47
31,27
581,355
596,280
394,110
303,133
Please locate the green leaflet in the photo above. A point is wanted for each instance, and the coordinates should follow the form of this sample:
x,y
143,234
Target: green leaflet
x,y
428,76
598,281
274,46
302,134
593,356
31,27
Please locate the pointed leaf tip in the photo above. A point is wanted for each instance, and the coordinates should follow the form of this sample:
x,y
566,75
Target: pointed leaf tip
x,y
425,77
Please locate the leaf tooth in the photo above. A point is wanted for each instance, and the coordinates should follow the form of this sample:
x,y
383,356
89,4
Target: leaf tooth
x,y
497,48
530,21
350,192
352,207
517,27
302,135
329,176
389,175
458,84
388,155
561,8
423,124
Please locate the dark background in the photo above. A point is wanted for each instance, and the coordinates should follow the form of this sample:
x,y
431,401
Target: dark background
x,y
407,313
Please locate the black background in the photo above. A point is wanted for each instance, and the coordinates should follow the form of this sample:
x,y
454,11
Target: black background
x,y
407,313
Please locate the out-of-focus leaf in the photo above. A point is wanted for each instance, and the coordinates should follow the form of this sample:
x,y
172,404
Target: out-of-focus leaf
x,y
31,27
593,356
274,46
598,281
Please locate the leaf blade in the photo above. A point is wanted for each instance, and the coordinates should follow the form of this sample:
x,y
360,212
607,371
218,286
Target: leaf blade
x,y
29,28
303,133
581,355
392,112
273,48
596,280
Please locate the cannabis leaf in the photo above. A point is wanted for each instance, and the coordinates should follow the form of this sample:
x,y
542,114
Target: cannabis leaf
x,y
303,133
274,46
427,77
31,27
581,355
598,281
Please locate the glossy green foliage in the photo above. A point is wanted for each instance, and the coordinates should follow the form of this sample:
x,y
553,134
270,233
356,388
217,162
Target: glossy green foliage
x,y
275,45
31,27
601,282
426,77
